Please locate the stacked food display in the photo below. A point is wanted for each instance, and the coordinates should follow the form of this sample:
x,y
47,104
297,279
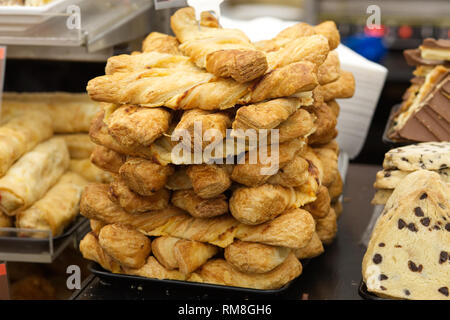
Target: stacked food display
x,y
222,154
45,160
408,253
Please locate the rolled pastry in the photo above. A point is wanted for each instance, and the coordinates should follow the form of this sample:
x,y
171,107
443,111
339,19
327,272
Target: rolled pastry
x,y
321,206
326,227
197,207
185,255
95,204
311,250
163,250
153,269
70,112
218,271
79,144
192,254
57,209
86,169
257,205
91,250
96,226
134,202
161,42
144,176
179,180
329,160
223,52
107,159
32,175
128,246
293,229
255,257
129,125
21,134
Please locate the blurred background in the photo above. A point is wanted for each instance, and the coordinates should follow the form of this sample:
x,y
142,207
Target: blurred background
x,y
48,56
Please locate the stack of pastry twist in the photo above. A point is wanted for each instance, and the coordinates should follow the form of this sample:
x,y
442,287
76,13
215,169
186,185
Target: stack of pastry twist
x,y
213,221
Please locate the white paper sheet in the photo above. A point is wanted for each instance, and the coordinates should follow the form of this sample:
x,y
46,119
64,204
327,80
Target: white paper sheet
x,y
357,112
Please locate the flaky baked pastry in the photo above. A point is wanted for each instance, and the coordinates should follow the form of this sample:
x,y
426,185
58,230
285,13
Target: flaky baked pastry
x,y
255,173
79,144
134,202
193,254
321,206
100,136
129,125
128,246
91,250
330,69
144,176
265,211
265,115
311,250
256,205
21,134
198,207
69,112
301,124
325,124
336,187
209,181
342,88
107,159
312,48
163,250
161,42
184,255
96,204
294,174
90,172
293,229
252,257
185,87
153,269
179,180
329,161
218,271
96,226
223,52
327,29
204,120
56,209
326,227
29,178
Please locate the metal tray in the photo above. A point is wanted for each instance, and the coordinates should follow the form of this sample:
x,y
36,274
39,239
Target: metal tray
x,y
15,247
71,228
109,277
362,290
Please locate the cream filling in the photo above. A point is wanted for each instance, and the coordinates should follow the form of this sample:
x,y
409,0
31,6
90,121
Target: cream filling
x,y
426,88
435,54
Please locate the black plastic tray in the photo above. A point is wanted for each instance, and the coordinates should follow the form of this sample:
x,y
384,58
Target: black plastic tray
x,y
386,140
362,290
107,277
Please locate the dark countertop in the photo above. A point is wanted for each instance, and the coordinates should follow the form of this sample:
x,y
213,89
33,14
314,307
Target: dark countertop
x,y
333,275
